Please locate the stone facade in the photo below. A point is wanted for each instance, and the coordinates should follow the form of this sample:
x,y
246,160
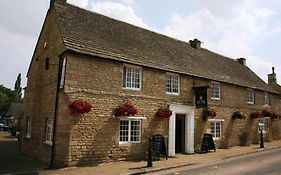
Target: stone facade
x,y
94,137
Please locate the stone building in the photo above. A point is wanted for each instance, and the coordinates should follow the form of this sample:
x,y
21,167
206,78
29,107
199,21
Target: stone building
x,y
82,55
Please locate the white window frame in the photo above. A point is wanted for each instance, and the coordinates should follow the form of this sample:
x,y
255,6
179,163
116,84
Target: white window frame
x,y
220,121
250,96
28,127
130,85
129,131
266,100
265,122
215,87
49,131
169,80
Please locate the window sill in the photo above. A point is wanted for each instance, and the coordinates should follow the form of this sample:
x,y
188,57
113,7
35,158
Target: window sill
x,y
27,137
131,89
174,94
128,143
48,143
215,98
216,138
250,103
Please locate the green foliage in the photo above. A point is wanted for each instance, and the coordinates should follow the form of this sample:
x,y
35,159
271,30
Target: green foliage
x,y
18,88
7,96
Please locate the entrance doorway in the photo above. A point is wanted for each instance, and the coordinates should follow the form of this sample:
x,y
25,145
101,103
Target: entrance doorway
x,y
180,133
181,126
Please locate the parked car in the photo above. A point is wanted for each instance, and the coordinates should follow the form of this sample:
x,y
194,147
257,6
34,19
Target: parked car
x,y
2,127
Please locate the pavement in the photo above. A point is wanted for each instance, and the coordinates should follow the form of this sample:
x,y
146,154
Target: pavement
x,y
134,167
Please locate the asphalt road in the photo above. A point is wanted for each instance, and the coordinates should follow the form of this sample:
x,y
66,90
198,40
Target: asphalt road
x,y
261,163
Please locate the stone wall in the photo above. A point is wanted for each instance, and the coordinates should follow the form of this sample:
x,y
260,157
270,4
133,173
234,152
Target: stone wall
x,y
94,138
40,93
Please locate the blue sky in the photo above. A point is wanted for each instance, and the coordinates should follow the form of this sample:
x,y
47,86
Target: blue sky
x,y
240,28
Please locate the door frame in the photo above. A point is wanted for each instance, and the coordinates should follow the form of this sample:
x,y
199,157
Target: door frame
x,y
188,111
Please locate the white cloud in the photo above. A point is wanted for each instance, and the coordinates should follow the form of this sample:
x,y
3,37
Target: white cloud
x,y
16,55
119,11
228,28
79,3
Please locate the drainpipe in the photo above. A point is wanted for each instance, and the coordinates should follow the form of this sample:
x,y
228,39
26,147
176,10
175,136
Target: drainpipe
x,y
53,148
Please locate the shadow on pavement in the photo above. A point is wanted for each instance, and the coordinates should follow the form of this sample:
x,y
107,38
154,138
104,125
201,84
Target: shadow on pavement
x,y
14,162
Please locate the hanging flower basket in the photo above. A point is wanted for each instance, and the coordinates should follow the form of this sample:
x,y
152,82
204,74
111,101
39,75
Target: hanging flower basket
x,y
266,113
126,109
275,116
238,115
256,115
80,107
163,112
209,113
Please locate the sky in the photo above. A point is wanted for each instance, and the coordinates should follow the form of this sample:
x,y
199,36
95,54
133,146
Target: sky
x,y
249,29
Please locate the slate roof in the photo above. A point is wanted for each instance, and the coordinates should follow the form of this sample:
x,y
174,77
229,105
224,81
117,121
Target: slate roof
x,y
90,33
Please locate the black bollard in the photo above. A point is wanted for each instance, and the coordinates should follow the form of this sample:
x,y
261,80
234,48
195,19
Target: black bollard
x,y
149,157
261,139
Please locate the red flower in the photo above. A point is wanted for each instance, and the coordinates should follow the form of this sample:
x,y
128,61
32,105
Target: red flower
x,y
256,114
209,113
266,113
126,109
163,112
80,107
275,116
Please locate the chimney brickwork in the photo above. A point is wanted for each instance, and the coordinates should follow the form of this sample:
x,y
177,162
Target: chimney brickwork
x,y
196,44
272,77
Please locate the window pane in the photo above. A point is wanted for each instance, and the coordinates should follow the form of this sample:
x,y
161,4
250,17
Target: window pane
x,y
215,90
172,84
124,131
131,77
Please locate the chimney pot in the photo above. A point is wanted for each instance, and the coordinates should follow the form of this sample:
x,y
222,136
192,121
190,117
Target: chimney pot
x,y
196,44
272,77
242,61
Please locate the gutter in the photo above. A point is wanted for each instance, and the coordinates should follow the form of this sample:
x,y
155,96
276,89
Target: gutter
x,y
53,148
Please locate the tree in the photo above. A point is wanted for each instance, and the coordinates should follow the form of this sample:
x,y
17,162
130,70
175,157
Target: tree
x,y
7,96
18,88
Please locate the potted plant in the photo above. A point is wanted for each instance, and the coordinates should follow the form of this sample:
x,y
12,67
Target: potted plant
x,y
80,107
238,115
126,109
209,113
163,112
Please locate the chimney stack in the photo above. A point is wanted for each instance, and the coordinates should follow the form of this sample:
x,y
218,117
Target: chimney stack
x,y
52,2
242,61
196,44
272,77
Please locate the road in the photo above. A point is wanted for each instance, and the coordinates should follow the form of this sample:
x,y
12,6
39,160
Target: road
x,y
261,163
